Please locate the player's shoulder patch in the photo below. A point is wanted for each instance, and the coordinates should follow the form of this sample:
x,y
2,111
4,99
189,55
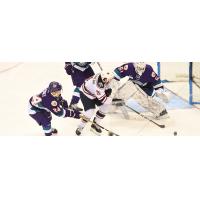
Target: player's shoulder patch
x,y
54,103
100,85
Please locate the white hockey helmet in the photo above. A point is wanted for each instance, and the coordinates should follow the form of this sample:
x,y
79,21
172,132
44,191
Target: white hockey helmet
x,y
140,67
107,76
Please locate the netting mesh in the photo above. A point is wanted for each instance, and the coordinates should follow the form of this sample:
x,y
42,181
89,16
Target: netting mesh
x,y
196,73
195,77
174,71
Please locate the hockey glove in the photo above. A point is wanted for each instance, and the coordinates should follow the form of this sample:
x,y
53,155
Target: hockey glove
x,y
108,92
68,68
72,113
64,104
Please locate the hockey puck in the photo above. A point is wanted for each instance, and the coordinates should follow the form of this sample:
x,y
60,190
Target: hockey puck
x,y
110,134
175,133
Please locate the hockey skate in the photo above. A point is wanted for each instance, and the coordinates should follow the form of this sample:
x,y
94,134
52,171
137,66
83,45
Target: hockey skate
x,y
75,107
48,134
96,129
79,131
54,131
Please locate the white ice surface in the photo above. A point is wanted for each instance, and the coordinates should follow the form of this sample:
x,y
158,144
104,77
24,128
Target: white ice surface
x,y
20,83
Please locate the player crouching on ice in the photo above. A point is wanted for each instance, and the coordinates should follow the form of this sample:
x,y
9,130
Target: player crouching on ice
x,y
50,100
144,86
94,92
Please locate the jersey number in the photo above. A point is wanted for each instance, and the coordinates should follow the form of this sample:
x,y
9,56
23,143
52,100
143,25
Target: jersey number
x,y
123,68
56,110
36,100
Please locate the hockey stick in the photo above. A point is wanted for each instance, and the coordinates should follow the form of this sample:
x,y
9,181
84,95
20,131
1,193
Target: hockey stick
x,y
110,133
145,117
101,68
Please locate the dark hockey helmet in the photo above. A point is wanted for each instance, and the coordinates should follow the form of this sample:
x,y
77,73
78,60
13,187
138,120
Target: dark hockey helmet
x,y
55,86
82,64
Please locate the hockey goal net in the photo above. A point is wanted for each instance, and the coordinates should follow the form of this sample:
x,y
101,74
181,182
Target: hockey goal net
x,y
174,71
194,76
186,75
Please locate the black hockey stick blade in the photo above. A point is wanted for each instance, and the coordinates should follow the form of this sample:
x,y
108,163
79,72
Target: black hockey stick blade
x,y
160,125
110,133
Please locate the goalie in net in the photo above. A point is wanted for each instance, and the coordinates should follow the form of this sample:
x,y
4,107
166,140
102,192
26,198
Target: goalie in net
x,y
144,86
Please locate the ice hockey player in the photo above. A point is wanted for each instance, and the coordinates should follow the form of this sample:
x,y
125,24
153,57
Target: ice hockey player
x,y
50,101
144,86
79,72
94,92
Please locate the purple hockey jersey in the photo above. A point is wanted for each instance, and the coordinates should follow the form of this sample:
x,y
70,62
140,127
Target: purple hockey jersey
x,y
56,105
148,77
79,73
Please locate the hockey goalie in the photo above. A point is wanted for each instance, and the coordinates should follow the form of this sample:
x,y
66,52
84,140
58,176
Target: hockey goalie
x,y
144,86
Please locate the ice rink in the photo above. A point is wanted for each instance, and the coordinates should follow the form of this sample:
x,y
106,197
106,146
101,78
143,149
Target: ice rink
x,y
20,81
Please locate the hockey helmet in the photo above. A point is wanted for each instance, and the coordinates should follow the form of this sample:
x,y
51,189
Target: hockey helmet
x,y
140,67
82,64
55,87
107,76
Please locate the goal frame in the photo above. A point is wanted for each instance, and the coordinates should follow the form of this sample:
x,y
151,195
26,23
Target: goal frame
x,y
191,84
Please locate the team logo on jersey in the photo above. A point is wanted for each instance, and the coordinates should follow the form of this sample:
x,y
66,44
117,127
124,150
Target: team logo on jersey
x,y
54,103
100,84
153,74
125,67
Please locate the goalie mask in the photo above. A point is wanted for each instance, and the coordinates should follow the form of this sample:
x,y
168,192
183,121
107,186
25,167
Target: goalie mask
x,y
140,67
107,77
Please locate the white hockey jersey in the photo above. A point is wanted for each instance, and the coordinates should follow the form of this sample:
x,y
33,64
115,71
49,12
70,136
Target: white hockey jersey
x,y
93,88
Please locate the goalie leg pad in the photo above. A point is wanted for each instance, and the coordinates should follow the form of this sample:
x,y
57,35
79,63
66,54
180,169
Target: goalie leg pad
x,y
114,84
148,102
131,90
126,91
